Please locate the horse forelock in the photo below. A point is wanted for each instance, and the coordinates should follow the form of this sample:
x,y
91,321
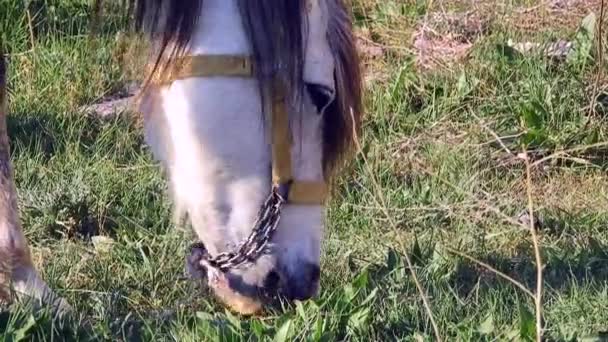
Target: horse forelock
x,y
276,30
171,25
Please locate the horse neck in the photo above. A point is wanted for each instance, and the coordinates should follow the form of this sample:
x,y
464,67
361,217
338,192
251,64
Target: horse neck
x,y
220,30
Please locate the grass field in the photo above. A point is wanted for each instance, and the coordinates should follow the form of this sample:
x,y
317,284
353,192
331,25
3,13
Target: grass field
x,y
462,136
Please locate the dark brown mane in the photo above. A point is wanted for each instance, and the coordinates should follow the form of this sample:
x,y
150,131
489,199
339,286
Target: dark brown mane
x,y
275,32
343,117
169,23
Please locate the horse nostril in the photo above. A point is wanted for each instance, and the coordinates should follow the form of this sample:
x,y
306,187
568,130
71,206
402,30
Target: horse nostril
x,y
193,261
304,285
271,282
315,273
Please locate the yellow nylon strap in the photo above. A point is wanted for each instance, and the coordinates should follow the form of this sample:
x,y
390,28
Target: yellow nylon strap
x,y
300,192
280,139
207,66
307,193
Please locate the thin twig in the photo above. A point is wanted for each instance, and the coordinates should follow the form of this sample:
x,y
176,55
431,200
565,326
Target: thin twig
x,y
568,151
498,139
594,93
486,205
30,25
539,265
381,202
384,46
600,62
493,270
538,298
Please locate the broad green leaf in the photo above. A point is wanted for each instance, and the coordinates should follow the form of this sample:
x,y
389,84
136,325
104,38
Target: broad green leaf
x,y
527,324
258,329
21,333
350,292
584,40
531,117
205,316
392,259
487,327
588,25
462,86
466,84
509,52
370,297
284,332
417,254
358,320
300,310
361,280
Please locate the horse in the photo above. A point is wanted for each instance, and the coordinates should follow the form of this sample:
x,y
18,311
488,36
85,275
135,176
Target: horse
x,y
251,109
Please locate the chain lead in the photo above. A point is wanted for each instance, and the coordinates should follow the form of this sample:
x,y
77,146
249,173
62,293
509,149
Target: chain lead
x,y
255,245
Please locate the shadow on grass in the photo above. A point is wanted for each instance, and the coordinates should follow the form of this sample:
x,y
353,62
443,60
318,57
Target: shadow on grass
x,y
36,139
45,135
33,135
23,323
563,270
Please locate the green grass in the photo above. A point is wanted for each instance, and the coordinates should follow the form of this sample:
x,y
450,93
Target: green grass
x,y
446,184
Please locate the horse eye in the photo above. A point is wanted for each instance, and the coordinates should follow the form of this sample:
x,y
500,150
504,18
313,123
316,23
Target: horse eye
x,y
321,96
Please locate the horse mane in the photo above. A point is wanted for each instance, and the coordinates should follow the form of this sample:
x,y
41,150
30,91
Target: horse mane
x,y
342,122
275,30
168,23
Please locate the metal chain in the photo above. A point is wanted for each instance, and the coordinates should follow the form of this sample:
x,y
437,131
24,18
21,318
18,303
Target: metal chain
x,y
251,248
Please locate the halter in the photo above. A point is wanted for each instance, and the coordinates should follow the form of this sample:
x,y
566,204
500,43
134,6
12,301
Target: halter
x,y
285,189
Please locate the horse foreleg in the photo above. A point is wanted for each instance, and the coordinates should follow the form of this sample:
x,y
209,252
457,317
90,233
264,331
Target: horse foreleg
x,y
18,275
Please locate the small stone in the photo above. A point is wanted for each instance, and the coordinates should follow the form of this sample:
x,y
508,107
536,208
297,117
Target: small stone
x,y
102,244
524,219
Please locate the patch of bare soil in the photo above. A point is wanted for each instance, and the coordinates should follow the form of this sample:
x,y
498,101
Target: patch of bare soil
x,y
372,56
552,15
569,192
443,39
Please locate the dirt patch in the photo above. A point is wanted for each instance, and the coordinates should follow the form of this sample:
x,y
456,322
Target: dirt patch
x,y
551,15
372,56
443,39
573,193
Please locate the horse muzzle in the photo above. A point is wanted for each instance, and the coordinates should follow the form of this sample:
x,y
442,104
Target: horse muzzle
x,y
248,290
